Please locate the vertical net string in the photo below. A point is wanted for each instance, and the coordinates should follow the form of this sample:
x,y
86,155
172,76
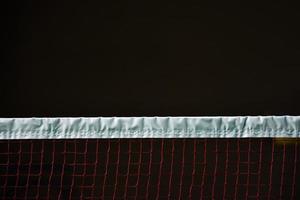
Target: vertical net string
x,y
215,170
139,167
95,169
204,170
295,171
182,169
226,171
117,170
106,171
194,170
271,173
171,170
248,169
282,172
237,174
259,169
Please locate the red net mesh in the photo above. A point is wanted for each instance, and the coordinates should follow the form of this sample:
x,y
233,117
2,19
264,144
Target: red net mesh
x,y
149,169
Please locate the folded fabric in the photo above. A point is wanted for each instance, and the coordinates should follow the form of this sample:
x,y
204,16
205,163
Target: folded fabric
x,y
150,127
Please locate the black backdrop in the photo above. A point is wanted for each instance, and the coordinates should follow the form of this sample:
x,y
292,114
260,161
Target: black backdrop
x,y
137,58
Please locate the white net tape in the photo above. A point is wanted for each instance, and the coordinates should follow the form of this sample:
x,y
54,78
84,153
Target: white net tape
x,y
150,127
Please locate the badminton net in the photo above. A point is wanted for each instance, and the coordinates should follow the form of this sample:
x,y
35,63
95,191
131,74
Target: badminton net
x,y
205,167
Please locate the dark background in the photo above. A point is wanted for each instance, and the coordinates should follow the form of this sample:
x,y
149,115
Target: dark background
x,y
138,58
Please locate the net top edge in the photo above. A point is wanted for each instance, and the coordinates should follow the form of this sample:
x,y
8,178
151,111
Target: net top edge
x,y
147,127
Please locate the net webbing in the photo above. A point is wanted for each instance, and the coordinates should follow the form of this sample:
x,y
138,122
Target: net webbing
x,y
149,169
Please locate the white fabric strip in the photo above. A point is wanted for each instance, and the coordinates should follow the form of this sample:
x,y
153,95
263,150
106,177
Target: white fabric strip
x,y
150,127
